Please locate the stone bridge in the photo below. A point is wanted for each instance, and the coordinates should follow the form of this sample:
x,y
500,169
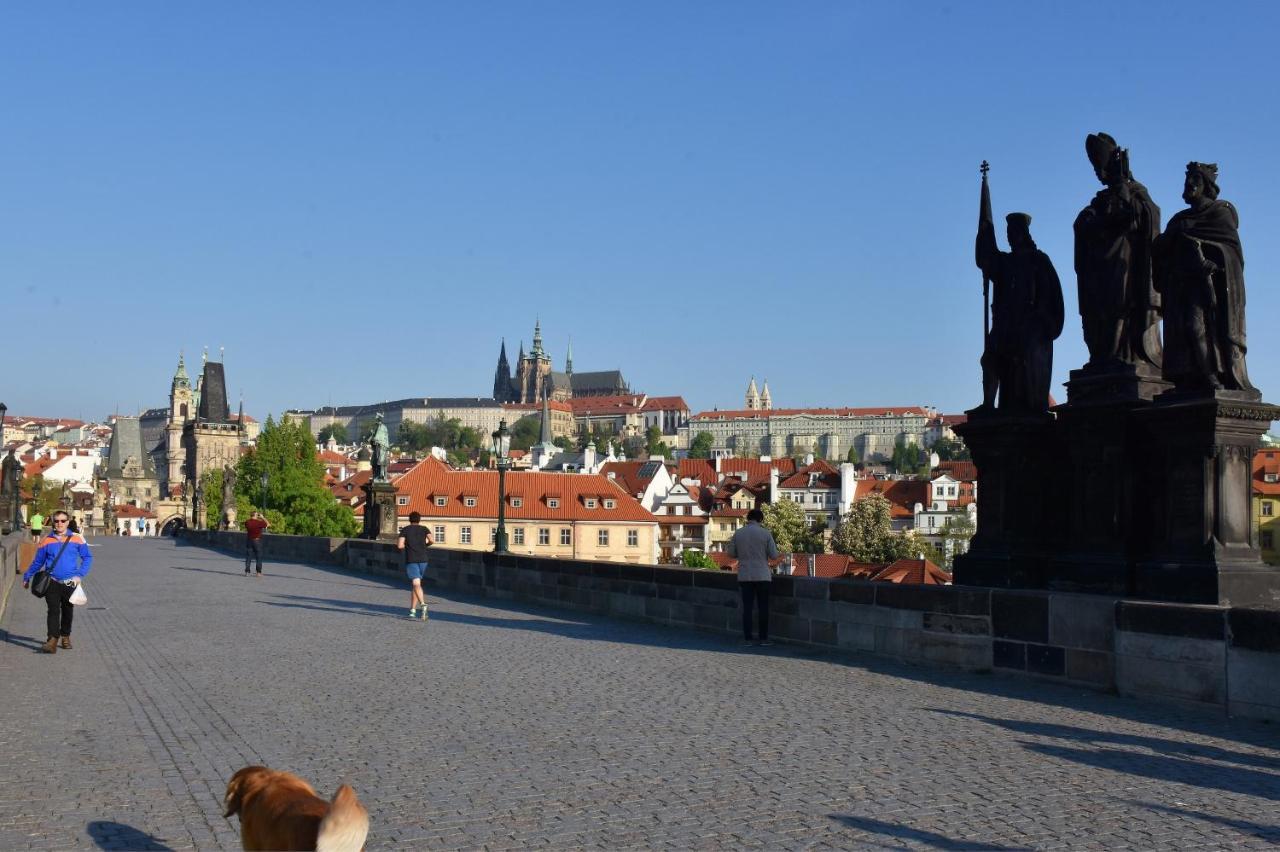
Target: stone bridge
x,y
508,725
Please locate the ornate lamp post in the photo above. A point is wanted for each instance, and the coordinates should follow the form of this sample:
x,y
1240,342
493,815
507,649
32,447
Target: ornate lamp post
x,y
501,450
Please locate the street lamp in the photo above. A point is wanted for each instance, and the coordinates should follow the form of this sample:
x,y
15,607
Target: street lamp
x,y
501,450
264,492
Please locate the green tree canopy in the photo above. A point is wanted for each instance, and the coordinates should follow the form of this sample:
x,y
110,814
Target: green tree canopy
x,y
297,502
337,431
700,446
698,559
786,521
852,456
654,445
46,496
951,450
526,432
866,533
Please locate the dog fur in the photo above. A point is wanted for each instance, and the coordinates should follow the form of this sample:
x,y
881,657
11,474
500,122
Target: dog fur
x,y
278,810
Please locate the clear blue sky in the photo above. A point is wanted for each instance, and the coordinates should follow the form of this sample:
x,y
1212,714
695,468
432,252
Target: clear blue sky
x,y
359,200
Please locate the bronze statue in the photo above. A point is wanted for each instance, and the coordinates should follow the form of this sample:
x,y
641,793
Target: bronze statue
x,y
198,509
1119,305
228,496
380,448
1200,274
1026,314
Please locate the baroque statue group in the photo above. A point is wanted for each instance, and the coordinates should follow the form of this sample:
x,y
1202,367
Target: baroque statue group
x,y
1129,276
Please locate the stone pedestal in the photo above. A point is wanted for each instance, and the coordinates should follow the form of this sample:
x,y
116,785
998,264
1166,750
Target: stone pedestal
x,y
1011,454
8,514
1201,546
380,518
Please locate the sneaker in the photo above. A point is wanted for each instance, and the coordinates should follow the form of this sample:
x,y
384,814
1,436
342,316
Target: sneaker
x,y
413,612
424,612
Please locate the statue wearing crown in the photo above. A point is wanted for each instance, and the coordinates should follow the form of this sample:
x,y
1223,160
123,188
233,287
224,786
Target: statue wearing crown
x,y
1119,305
1200,275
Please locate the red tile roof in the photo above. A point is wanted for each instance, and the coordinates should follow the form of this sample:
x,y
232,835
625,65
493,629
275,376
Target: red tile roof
x,y
534,407
666,403
828,476
914,572
127,511
963,470
701,469
903,494
1266,463
602,404
754,469
433,478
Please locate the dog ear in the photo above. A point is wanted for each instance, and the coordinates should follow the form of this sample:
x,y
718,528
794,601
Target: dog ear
x,y
235,789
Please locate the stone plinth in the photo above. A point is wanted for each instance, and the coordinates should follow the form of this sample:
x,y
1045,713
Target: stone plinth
x,y
380,519
1202,547
1011,453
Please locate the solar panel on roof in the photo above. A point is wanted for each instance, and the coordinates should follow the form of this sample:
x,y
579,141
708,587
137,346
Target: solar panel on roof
x,y
649,469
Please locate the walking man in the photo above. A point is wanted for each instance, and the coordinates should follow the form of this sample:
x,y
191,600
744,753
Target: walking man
x,y
254,528
414,541
37,527
756,552
68,558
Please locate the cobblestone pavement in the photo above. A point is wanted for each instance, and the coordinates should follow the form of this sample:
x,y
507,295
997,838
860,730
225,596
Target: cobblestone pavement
x,y
510,726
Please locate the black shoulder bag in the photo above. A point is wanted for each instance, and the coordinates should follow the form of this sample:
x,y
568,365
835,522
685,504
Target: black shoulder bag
x,y
43,579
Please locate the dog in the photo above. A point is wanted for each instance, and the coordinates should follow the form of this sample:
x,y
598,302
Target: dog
x,y
278,810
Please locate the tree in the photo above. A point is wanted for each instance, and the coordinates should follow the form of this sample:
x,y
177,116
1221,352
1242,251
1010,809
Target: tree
x,y
949,449
956,533
298,502
700,446
654,445
211,486
45,496
866,533
564,442
852,457
525,432
337,431
698,559
786,521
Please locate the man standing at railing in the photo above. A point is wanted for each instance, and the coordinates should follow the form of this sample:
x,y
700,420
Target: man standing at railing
x,y
757,553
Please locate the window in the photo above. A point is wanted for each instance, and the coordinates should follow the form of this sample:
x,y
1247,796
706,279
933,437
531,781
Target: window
x,y
591,502
438,533
464,536
1267,540
553,502
544,535
517,502
440,501
566,536
633,538
493,535
1267,508
602,538
469,502
609,504
402,501
519,533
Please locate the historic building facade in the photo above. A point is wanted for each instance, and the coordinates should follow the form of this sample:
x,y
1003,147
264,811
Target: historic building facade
x,y
826,432
534,377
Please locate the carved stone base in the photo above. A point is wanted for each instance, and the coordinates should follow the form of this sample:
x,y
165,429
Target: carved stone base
x,y
1202,547
8,514
380,518
1011,454
1114,383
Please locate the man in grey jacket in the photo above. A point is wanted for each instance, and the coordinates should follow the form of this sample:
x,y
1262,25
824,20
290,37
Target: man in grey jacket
x,y
756,552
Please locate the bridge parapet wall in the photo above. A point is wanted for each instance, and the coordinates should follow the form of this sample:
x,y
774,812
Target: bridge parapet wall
x,y
10,563
1196,655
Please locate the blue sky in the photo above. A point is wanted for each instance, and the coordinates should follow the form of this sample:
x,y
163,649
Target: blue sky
x,y
359,200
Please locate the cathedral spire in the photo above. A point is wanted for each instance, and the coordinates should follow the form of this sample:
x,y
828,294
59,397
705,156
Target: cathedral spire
x,y
753,396
568,359
546,419
537,338
502,376
180,379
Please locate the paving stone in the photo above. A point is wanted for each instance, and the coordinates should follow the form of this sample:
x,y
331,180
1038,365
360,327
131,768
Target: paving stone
x,y
502,725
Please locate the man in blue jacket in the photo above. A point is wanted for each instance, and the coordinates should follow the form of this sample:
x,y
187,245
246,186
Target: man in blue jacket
x,y
69,564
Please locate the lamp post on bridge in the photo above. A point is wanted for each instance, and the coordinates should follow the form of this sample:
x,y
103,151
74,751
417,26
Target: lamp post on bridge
x,y
501,451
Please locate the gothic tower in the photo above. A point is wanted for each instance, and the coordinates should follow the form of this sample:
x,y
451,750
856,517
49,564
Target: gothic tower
x,y
766,401
568,359
753,396
502,376
534,368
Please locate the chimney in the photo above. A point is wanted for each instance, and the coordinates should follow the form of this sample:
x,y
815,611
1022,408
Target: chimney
x,y
813,565
848,486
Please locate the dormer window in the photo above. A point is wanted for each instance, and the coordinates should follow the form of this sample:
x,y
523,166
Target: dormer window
x,y
1270,477
442,501
517,502
469,502
609,504
402,501
553,502
590,502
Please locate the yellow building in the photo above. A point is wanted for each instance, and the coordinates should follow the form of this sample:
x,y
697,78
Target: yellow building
x,y
555,515
1266,502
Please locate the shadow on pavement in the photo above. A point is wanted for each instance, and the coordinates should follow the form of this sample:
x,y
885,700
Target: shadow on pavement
x,y
1270,833
1176,748
21,641
117,835
929,838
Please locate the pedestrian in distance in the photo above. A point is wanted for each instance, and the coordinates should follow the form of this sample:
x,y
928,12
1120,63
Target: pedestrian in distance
x,y
254,528
414,541
69,560
756,551
37,527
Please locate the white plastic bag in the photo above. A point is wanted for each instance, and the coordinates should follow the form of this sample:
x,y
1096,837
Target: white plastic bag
x,y
78,597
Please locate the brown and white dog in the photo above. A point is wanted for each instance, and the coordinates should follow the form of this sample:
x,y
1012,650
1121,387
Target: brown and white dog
x,y
278,810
